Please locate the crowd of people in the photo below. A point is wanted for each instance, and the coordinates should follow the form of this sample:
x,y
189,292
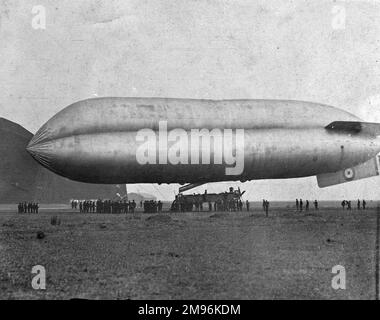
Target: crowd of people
x,y
30,207
300,205
232,205
219,205
104,206
152,206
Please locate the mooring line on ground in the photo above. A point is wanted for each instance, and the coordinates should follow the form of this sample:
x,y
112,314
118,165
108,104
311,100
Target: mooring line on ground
x,y
377,248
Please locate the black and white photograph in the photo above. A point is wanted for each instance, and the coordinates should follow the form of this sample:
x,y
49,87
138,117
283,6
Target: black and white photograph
x,y
203,151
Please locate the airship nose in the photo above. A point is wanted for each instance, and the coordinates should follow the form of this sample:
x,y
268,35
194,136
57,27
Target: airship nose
x,y
40,148
40,153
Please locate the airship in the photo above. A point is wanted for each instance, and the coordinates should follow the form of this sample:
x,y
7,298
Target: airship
x,y
116,140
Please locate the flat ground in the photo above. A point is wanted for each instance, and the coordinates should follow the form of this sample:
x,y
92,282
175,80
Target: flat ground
x,y
289,255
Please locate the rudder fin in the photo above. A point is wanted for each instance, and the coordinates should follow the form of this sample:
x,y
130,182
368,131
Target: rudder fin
x,y
364,170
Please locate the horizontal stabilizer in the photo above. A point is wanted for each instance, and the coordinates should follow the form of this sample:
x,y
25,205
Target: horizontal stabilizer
x,y
354,127
367,169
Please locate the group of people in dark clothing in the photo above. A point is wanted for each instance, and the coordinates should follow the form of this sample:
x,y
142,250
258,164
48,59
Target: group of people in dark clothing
x,y
219,205
104,206
232,205
30,207
152,206
360,204
299,205
345,204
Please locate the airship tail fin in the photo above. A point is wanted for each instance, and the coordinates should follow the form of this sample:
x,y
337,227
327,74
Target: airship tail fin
x,y
367,169
354,127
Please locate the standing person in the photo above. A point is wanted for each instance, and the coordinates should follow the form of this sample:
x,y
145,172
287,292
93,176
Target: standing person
x,y
266,207
343,204
315,204
301,204
264,204
247,205
297,204
358,204
364,204
307,205
349,205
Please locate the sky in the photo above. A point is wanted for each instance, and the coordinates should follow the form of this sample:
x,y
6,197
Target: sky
x,y
319,51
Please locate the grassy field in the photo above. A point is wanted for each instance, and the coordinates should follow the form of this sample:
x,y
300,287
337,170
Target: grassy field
x,y
189,255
